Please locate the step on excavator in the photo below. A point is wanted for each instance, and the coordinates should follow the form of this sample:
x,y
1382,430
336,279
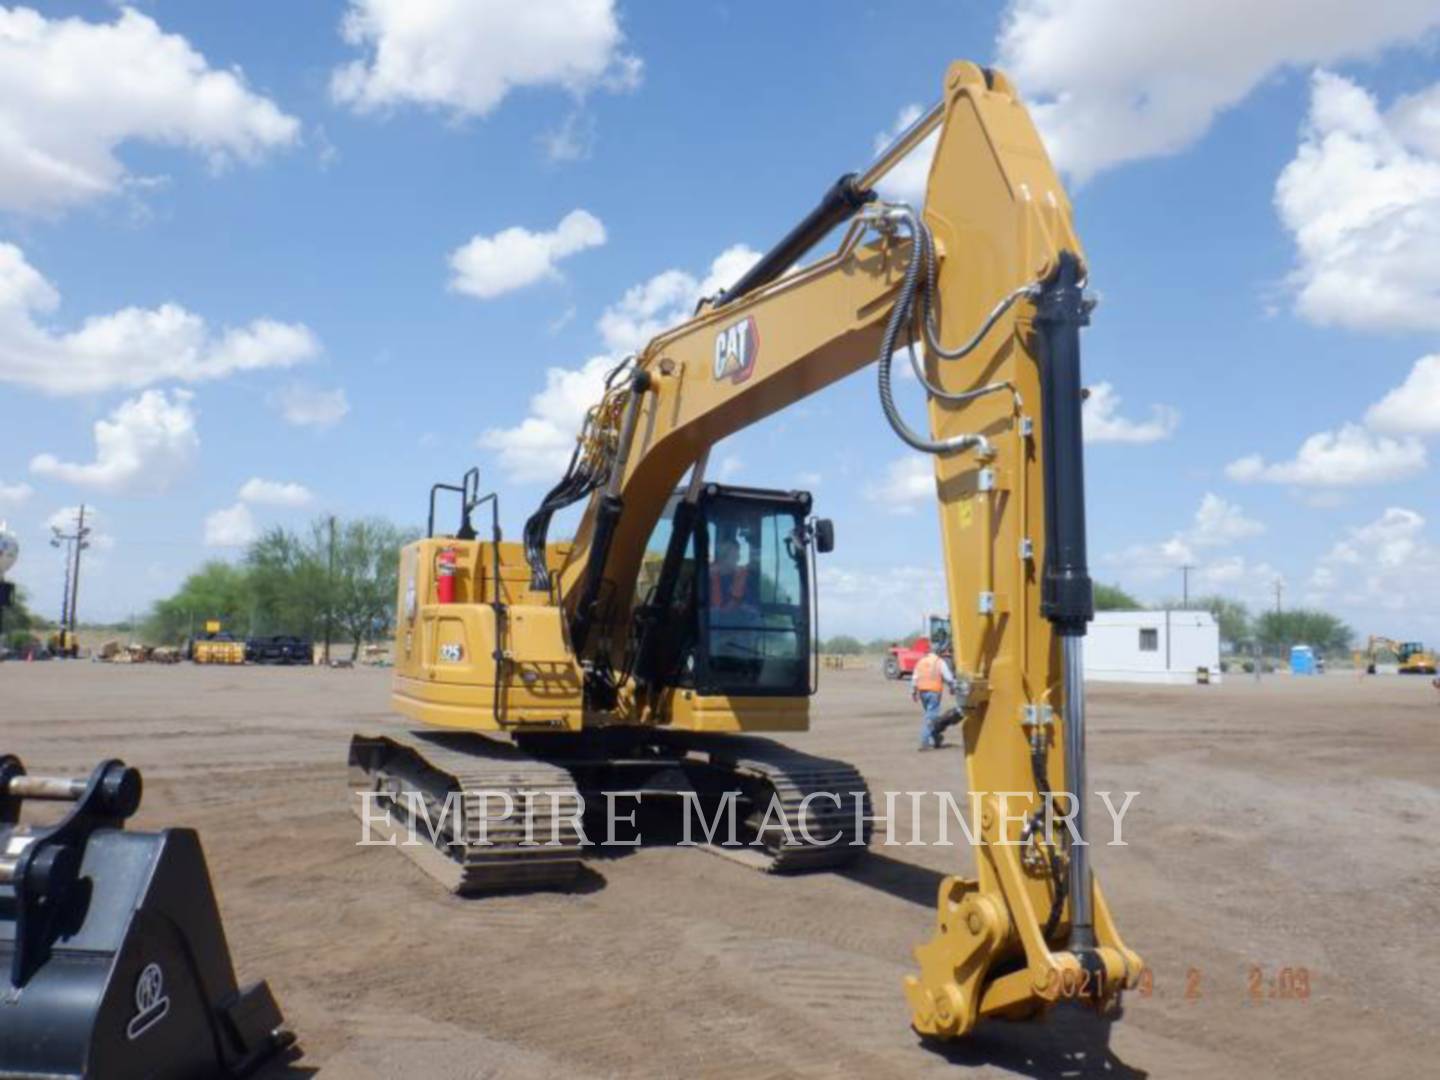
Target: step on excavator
x,y
113,961
653,653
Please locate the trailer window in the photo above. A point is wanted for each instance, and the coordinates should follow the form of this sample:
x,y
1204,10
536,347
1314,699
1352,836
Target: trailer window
x,y
1149,639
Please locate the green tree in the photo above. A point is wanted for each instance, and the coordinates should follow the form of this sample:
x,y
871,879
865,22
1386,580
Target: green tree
x,y
1231,616
218,590
293,582
18,615
289,582
1114,598
365,578
1326,634
842,645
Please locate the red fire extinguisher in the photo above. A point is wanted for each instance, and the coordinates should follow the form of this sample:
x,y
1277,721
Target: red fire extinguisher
x,y
445,575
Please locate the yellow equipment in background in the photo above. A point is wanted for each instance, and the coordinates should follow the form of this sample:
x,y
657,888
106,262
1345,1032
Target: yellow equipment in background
x,y
64,644
1411,657
217,646
646,654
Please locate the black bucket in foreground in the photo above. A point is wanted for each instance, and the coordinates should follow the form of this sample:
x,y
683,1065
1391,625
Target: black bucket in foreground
x,y
113,961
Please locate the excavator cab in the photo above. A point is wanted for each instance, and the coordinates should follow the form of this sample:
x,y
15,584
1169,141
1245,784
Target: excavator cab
x,y
728,608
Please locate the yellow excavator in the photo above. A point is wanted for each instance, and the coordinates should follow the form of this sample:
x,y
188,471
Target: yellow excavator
x,y
653,652
1411,657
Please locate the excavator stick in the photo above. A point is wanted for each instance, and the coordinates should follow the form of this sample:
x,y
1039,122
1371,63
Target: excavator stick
x,y
113,962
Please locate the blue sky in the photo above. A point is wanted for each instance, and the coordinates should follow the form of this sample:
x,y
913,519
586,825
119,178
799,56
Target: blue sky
x,y
266,251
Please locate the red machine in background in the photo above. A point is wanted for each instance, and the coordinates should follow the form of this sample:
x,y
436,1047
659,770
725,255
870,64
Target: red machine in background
x,y
900,660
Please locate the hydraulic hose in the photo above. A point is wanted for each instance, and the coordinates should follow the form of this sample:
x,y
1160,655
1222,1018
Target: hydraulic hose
x,y
931,332
900,318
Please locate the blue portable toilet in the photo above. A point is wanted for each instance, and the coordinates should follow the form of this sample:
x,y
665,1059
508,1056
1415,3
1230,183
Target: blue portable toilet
x,y
1302,660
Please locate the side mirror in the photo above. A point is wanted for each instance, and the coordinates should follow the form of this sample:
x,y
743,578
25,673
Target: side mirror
x,y
824,535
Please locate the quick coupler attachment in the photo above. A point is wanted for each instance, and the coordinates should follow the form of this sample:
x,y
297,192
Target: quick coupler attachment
x,y
113,962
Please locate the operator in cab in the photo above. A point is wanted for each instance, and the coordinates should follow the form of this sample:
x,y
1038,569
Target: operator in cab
x,y
729,581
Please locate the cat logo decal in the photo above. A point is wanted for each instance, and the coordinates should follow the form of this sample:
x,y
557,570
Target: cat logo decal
x,y
736,348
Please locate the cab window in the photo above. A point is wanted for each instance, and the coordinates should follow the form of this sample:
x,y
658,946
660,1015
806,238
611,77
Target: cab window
x,y
756,614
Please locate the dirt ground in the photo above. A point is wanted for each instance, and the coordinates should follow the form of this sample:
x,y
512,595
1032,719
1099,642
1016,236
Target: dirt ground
x,y
1285,824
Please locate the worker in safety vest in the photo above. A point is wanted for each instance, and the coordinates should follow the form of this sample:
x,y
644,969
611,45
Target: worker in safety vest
x,y
932,674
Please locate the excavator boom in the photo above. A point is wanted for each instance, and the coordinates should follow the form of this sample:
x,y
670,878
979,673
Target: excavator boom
x,y
652,629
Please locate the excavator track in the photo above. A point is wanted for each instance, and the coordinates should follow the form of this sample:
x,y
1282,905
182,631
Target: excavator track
x,y
767,770
534,846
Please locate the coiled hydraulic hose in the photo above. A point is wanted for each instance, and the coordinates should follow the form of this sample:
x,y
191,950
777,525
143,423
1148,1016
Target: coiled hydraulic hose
x,y
901,316
927,321
920,278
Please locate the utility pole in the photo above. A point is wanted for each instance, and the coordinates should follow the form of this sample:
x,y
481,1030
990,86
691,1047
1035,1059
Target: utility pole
x,y
55,542
74,543
330,591
1185,569
1279,588
80,545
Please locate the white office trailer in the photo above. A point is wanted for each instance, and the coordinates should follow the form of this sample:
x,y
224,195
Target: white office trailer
x,y
1171,648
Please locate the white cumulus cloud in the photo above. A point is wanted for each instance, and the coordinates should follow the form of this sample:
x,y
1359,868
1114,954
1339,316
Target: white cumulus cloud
x,y
540,445
906,180
129,348
1111,81
468,55
872,601
14,494
1388,564
1205,546
73,92
489,266
144,445
667,299
1413,407
1349,457
1103,423
1362,200
1216,525
908,482
234,526
1219,523
305,406
275,493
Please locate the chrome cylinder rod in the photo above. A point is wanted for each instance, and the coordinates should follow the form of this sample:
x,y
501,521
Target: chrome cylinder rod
x,y
1082,917
903,143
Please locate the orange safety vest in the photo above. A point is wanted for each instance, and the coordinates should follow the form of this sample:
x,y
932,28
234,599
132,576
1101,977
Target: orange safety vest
x,y
728,599
927,677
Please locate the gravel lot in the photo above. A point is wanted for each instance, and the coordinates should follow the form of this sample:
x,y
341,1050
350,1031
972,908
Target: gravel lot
x,y
1285,824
